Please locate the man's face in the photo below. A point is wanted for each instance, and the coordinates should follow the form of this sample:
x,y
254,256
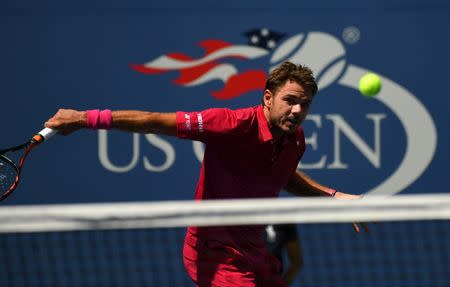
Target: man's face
x,y
287,109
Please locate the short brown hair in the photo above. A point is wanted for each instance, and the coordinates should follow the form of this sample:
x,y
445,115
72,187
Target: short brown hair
x,y
289,71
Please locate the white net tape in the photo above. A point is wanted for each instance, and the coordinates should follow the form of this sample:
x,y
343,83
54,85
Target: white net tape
x,y
40,218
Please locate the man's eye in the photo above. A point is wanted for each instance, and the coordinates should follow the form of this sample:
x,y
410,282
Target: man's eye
x,y
291,101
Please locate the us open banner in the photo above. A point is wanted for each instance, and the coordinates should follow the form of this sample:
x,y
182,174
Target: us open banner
x,y
160,57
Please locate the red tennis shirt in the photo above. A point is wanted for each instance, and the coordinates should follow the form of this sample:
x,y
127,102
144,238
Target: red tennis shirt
x,y
241,160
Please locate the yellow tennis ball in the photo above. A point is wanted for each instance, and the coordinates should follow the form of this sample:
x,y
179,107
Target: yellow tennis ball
x,y
370,84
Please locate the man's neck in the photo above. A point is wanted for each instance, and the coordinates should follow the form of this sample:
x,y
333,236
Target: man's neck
x,y
277,134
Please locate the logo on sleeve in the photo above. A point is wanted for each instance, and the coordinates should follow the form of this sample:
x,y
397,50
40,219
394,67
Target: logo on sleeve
x,y
200,122
188,122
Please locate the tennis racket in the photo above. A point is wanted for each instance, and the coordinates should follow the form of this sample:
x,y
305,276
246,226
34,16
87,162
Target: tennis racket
x,y
10,170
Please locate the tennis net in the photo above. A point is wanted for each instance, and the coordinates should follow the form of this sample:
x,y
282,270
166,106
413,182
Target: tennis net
x,y
140,244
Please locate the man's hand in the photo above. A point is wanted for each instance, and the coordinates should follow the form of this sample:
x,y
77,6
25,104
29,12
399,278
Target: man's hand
x,y
356,225
67,121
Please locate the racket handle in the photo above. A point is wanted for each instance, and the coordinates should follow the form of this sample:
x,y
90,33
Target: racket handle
x,y
47,133
44,134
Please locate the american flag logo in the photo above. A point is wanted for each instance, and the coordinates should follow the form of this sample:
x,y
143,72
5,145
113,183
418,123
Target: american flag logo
x,y
215,64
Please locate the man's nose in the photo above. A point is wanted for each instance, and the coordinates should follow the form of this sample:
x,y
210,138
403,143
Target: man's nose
x,y
296,109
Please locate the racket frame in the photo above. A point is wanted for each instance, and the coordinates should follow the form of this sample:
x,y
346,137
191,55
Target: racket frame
x,y
28,146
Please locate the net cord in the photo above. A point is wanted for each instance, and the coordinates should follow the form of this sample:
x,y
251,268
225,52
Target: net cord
x,y
129,215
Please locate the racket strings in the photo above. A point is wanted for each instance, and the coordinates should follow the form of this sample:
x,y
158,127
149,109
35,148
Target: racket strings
x,y
8,177
7,183
10,170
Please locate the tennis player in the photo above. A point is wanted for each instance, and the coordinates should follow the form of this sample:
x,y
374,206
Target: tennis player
x,y
249,153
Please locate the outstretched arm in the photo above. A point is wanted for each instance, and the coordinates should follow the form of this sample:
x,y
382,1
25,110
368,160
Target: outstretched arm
x,y
67,121
302,185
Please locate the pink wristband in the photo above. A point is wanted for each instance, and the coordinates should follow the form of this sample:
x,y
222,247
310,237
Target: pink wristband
x,y
96,119
92,119
105,120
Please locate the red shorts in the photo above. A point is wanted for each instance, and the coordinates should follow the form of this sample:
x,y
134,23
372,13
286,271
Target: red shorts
x,y
212,263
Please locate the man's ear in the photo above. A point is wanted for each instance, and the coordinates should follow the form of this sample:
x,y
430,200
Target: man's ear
x,y
267,98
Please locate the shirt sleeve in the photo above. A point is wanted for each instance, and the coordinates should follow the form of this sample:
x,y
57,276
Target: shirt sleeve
x,y
205,125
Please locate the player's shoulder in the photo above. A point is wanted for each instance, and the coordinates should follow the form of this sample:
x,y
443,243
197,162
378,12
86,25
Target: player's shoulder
x,y
249,112
239,113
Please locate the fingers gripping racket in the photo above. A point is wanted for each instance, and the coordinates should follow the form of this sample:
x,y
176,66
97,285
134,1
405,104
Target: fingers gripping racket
x,y
10,170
